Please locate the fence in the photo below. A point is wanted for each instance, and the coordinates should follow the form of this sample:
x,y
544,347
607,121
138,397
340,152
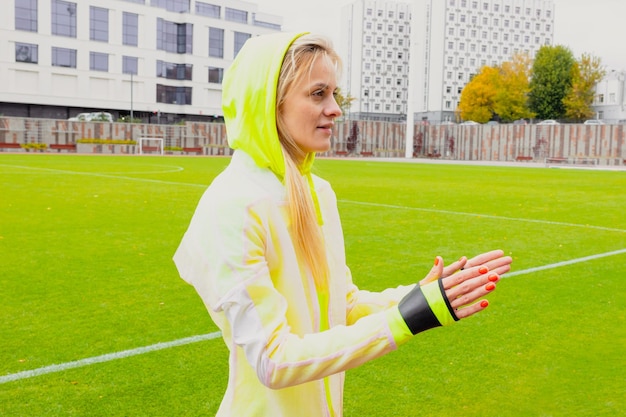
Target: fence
x,y
566,143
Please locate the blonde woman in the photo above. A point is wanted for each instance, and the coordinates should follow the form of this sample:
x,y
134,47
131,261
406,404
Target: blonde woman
x,y
265,248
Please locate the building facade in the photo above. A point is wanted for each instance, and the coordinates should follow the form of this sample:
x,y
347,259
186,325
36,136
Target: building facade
x,y
375,47
161,60
443,42
610,98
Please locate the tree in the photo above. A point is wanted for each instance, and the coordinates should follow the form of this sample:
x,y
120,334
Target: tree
x,y
479,95
551,80
585,75
511,101
344,102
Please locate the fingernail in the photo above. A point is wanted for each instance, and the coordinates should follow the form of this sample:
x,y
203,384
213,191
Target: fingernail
x,y
494,278
483,269
484,303
436,261
490,287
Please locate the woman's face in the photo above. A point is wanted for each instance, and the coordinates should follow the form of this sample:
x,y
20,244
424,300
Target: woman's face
x,y
309,109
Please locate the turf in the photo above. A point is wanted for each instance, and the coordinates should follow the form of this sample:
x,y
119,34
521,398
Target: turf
x,y
86,245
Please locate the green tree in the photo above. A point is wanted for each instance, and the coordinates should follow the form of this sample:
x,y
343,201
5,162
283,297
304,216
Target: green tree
x,y
478,96
344,102
511,101
585,75
551,80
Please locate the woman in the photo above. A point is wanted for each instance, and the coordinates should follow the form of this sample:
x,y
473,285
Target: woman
x,y
265,248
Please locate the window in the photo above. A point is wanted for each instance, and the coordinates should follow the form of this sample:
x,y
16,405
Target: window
x,y
26,52
216,42
98,24
173,95
177,6
174,37
130,29
130,65
26,15
208,10
63,18
216,75
234,15
174,71
240,39
98,61
63,57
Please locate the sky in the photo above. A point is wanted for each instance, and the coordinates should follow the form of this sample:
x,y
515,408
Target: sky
x,y
596,27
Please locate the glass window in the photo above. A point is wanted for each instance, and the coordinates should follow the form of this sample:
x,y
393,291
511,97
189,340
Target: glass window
x,y
209,10
63,18
240,39
216,42
98,61
130,29
26,15
216,75
63,57
234,15
174,37
98,24
173,95
130,65
177,6
174,71
26,52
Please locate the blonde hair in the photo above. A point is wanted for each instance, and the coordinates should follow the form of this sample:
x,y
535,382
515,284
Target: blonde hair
x,y
307,234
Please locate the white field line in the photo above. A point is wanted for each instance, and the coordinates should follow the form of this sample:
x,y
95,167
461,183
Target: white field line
x,y
106,358
484,216
362,203
199,338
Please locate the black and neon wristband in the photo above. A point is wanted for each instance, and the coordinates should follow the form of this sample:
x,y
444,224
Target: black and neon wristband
x,y
426,307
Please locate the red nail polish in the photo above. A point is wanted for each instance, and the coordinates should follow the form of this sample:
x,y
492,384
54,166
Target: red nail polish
x,y
494,278
483,269
484,303
490,287
436,261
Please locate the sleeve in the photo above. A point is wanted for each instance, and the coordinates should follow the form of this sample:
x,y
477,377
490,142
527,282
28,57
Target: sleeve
x,y
362,303
226,262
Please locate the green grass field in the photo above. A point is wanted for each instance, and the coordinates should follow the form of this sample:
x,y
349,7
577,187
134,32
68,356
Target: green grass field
x,y
85,270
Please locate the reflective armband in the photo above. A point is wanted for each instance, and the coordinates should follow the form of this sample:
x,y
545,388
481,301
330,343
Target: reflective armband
x,y
426,307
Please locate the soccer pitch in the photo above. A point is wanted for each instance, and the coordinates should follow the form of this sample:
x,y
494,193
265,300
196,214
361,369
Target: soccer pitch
x,y
94,320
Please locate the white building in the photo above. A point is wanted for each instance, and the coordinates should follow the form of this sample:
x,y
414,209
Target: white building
x,y
375,49
452,40
59,58
610,98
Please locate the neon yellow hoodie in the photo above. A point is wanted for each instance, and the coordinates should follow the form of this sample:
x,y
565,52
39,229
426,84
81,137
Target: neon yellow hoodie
x,y
238,254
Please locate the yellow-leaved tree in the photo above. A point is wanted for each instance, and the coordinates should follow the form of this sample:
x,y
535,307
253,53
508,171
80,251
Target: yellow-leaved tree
x,y
479,95
511,101
586,73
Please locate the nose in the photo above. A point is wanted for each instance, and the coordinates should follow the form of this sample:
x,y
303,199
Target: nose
x,y
332,109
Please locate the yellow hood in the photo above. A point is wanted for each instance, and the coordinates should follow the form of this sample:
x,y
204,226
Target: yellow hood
x,y
249,101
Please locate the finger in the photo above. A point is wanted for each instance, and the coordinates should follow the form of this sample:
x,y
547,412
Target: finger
x,y
483,258
435,272
471,309
454,267
501,265
466,274
473,294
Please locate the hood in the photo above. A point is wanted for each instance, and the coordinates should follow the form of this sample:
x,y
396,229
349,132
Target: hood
x,y
249,101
